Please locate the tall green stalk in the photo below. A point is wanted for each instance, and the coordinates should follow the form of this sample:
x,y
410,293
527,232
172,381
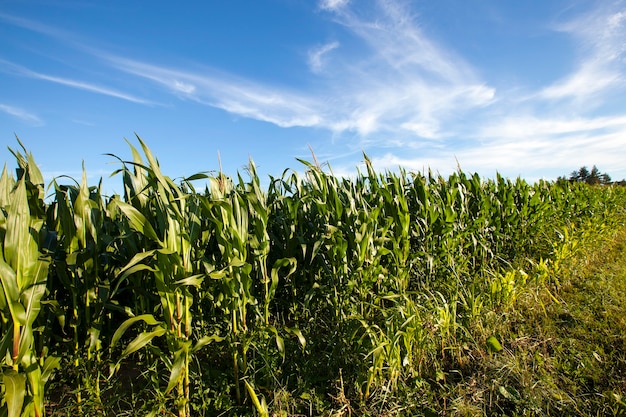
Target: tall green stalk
x,y
23,270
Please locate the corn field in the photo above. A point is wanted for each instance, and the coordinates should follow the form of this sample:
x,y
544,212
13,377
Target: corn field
x,y
184,301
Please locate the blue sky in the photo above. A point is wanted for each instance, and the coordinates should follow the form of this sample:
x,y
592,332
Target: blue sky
x,y
532,89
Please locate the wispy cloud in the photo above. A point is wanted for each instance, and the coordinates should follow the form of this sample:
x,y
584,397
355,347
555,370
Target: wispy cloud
x,y
38,27
398,43
527,127
90,87
601,35
399,81
398,87
225,91
316,55
332,4
21,114
78,84
542,156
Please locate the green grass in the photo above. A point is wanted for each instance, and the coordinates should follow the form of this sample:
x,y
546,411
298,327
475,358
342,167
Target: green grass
x,y
563,349
572,358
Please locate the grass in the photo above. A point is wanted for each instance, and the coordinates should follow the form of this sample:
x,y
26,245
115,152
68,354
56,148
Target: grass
x,y
575,352
563,350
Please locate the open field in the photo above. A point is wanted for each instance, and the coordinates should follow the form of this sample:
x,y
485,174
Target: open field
x,y
386,294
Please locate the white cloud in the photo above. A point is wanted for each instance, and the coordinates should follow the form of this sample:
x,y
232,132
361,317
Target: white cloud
x,y
37,27
424,129
316,55
233,94
398,43
398,81
528,127
591,78
532,158
332,5
601,35
184,87
401,81
81,85
397,87
21,114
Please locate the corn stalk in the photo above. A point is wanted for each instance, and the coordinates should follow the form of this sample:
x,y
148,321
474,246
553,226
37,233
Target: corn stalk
x,y
23,276
169,220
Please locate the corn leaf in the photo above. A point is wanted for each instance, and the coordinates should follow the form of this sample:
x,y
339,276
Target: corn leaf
x,y
138,221
147,318
142,339
50,365
15,391
205,340
177,368
194,281
260,406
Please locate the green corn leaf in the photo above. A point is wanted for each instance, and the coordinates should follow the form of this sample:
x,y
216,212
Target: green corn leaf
x,y
133,266
49,366
142,339
133,269
138,221
260,406
198,176
177,368
9,286
281,263
15,391
18,312
222,273
6,185
152,162
237,262
17,231
299,334
31,296
194,281
205,340
30,363
7,340
280,342
147,318
34,173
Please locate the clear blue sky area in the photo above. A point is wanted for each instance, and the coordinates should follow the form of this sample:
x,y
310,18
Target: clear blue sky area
x,y
526,88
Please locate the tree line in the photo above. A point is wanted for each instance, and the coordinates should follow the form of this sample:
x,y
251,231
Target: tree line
x,y
593,177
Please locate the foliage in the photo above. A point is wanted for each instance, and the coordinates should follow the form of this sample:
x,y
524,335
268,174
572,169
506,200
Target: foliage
x,y
593,177
319,295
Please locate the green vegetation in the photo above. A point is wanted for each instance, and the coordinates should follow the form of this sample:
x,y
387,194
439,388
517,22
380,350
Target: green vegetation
x,y
387,294
593,177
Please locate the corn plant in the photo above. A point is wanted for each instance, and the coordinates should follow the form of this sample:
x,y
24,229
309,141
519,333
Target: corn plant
x,y
23,270
85,265
236,289
170,220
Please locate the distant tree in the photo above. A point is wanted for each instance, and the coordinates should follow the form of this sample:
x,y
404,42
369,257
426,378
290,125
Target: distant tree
x,y
583,174
593,177
579,175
